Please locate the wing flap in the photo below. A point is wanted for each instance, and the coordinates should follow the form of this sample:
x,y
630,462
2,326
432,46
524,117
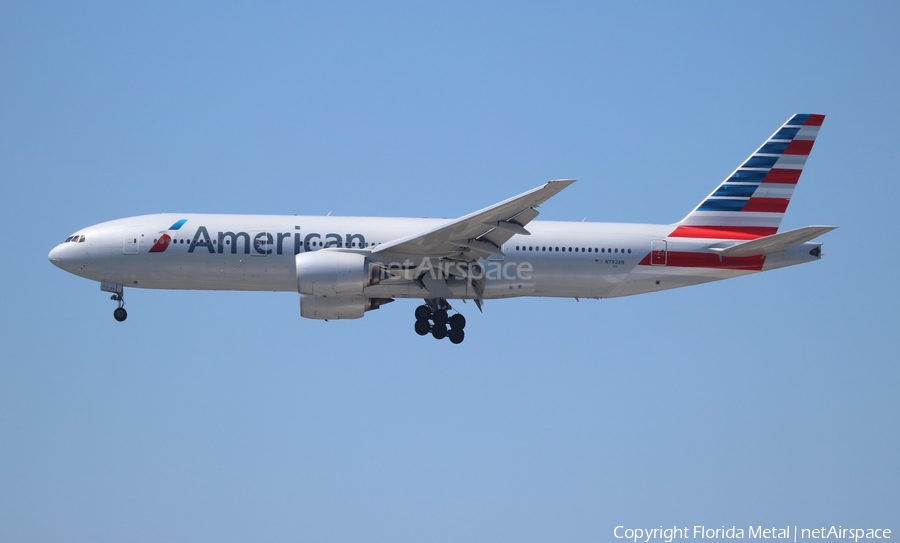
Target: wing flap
x,y
437,288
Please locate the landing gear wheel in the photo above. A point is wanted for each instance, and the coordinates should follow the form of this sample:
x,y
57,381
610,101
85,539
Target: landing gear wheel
x,y
433,318
456,335
457,321
422,327
440,316
423,313
120,314
439,331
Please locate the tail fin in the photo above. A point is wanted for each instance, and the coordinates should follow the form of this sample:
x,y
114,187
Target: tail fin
x,y
750,203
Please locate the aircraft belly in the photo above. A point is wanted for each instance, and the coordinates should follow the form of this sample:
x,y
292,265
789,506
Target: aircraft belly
x,y
580,279
205,272
657,278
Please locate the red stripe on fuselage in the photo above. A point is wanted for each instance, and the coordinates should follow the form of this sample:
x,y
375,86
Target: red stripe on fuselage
x,y
677,259
710,260
723,232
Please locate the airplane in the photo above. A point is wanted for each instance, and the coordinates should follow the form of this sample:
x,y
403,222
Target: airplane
x,y
343,267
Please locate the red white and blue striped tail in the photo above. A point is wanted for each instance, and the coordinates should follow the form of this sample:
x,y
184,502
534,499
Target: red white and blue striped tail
x,y
750,203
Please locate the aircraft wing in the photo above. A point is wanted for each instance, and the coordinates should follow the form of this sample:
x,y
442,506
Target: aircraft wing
x,y
775,242
478,234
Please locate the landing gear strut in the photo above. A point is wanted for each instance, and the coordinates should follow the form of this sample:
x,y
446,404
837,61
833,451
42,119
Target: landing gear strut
x,y
119,313
432,318
118,296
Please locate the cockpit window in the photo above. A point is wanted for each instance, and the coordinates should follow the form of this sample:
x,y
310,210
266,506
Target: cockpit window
x,y
68,239
81,239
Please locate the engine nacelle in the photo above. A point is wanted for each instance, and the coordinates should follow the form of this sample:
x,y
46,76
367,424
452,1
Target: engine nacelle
x,y
338,307
334,273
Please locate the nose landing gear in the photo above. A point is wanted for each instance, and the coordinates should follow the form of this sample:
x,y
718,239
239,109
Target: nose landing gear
x,y
432,318
118,296
119,313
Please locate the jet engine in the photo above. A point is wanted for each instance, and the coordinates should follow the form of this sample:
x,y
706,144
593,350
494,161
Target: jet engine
x,y
331,284
338,307
334,273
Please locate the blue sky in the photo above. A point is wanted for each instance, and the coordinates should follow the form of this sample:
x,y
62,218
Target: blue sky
x,y
767,400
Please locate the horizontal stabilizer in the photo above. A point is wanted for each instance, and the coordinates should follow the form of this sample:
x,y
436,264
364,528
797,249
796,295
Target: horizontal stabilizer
x,y
774,243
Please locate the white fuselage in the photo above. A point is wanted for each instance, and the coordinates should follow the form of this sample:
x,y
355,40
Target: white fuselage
x,y
257,252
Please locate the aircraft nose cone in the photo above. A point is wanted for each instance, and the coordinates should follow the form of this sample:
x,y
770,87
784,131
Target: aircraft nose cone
x,y
60,256
54,255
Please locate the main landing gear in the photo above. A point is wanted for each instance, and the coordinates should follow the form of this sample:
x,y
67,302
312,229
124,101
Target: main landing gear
x,y
432,318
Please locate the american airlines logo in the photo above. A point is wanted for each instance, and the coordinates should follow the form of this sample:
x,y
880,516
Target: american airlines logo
x,y
260,242
162,243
